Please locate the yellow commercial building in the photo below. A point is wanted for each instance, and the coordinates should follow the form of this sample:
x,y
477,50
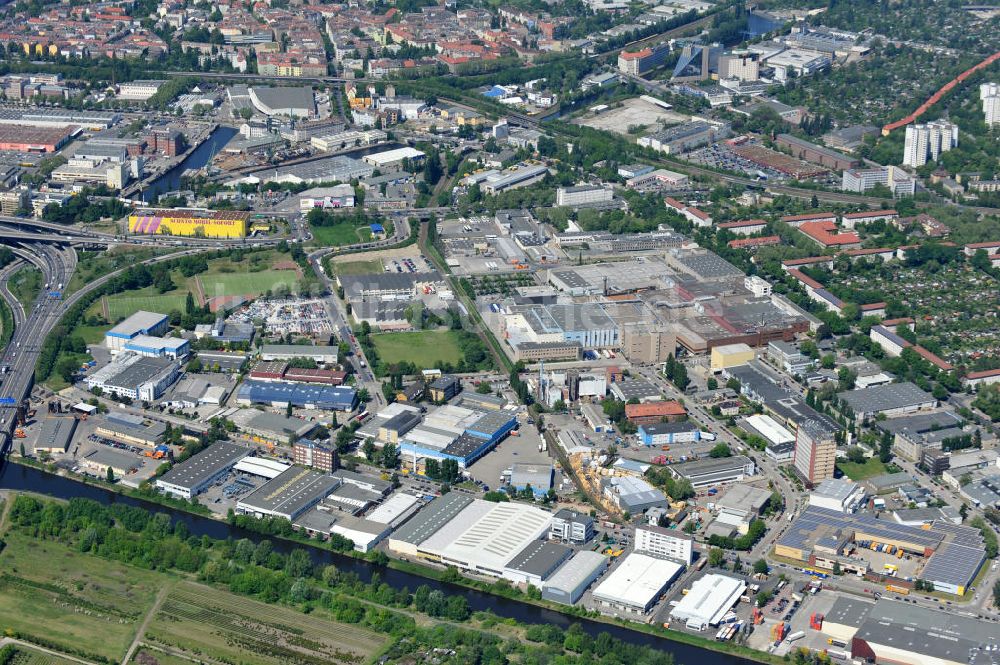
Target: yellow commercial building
x,y
198,223
730,355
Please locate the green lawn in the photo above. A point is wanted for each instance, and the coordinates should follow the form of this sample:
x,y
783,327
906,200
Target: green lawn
x,y
854,471
91,334
359,267
424,348
246,283
341,234
76,602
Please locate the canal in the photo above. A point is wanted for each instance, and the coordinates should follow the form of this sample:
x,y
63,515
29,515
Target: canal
x,y
23,478
199,157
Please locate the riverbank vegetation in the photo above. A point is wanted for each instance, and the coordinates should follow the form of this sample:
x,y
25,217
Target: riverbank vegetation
x,y
54,539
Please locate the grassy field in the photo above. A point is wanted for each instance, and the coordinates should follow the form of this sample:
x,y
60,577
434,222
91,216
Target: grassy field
x,y
79,602
92,265
423,348
91,334
854,471
359,267
341,234
246,283
205,622
26,284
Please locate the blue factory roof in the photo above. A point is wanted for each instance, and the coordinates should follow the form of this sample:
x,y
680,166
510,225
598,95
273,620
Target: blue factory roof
x,y
297,394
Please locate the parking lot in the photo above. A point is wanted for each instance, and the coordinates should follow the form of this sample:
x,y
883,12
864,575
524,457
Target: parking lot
x,y
718,155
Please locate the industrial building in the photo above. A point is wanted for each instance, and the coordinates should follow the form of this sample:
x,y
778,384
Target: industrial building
x,y
636,583
387,158
730,355
102,460
738,507
471,534
820,537
135,377
655,412
571,581
294,102
890,631
271,428
715,471
54,435
198,223
667,543
458,433
288,495
838,494
708,601
191,477
141,323
130,428
174,348
536,563
894,399
281,394
659,434
324,355
586,324
632,495
536,476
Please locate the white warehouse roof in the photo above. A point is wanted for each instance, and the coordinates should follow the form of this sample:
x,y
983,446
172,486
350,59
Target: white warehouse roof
x,y
392,156
637,581
709,599
771,429
257,466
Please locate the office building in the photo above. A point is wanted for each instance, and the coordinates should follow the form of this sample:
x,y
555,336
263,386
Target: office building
x,y
743,66
861,180
926,142
664,543
646,343
637,63
582,196
320,456
570,526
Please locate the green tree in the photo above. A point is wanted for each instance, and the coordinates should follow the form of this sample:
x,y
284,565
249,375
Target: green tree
x,y
716,557
760,567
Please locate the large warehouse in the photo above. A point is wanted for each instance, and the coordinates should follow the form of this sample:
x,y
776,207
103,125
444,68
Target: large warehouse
x,y
282,393
637,583
820,537
889,631
193,476
713,471
471,534
569,583
140,324
457,433
708,600
135,377
201,223
288,495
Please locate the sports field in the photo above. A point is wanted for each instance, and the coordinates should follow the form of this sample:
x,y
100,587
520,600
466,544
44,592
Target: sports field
x,y
77,602
122,305
424,348
201,622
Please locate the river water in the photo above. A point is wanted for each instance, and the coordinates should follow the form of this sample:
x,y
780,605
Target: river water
x,y
17,477
171,180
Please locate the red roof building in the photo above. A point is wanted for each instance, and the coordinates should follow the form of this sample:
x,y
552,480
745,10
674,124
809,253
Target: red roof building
x,y
654,412
744,243
827,234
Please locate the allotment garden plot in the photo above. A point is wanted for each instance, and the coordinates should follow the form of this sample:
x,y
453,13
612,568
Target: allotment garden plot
x,y
203,622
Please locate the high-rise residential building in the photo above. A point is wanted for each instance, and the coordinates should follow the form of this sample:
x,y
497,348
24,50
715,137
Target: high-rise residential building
x,y
927,141
989,93
815,451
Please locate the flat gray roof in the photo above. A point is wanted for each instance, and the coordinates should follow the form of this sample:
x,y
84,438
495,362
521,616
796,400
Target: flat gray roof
x,y
578,569
139,372
56,433
194,471
884,398
945,635
432,517
848,611
539,558
291,492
